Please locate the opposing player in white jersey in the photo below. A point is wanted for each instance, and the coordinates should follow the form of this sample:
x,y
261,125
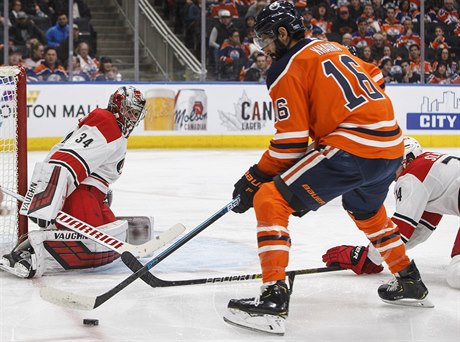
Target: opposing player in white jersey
x,y
75,178
427,187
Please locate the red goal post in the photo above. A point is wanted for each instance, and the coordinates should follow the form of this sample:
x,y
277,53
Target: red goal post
x,y
13,152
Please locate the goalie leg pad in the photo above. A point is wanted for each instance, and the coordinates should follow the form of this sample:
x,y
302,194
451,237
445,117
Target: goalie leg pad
x,y
55,251
70,250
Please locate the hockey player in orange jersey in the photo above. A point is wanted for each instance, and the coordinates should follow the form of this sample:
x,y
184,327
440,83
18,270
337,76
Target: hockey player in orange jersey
x,y
320,91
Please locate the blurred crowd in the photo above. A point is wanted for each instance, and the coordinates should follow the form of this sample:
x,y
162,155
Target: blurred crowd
x,y
383,32
38,41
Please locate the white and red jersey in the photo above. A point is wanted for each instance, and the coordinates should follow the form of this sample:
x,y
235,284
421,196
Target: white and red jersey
x,y
427,189
93,153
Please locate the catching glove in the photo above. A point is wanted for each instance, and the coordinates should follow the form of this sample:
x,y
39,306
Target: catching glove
x,y
247,187
351,257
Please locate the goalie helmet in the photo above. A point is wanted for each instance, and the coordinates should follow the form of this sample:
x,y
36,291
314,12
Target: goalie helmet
x,y
273,16
412,150
128,106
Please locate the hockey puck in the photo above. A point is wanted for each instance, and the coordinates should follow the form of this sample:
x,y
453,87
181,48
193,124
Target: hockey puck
x,y
90,322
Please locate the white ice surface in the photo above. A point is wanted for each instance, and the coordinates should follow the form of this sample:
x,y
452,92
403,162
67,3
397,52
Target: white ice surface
x,y
188,186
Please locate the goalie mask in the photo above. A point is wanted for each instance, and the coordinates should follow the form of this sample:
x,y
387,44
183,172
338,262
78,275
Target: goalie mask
x,y
412,150
128,106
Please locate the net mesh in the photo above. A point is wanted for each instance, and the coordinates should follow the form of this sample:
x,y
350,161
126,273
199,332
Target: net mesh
x,y
9,156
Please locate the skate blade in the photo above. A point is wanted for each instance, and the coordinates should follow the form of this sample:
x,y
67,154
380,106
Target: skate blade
x,y
17,271
262,323
423,303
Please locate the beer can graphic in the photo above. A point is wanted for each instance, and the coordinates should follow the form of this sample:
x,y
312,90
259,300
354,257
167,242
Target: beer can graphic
x,y
191,111
160,109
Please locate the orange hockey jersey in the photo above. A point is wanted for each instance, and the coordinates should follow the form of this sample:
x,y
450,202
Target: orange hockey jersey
x,y
321,91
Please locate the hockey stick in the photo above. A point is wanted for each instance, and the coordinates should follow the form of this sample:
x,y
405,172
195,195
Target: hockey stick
x,y
108,241
153,281
74,301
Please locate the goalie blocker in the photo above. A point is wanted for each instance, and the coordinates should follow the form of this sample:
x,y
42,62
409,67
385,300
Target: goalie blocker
x,y
51,250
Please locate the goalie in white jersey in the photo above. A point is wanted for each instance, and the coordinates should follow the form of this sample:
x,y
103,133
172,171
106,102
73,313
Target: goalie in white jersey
x,y
427,187
75,178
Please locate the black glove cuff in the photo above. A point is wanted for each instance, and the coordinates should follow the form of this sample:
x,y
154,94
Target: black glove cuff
x,y
259,175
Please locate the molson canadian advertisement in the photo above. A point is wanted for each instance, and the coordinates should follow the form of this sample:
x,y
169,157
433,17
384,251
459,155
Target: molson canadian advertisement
x,y
225,114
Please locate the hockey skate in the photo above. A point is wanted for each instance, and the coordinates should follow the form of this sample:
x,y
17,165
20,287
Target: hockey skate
x,y
19,262
406,289
264,313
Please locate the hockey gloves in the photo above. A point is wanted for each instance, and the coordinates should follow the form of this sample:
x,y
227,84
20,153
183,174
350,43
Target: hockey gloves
x,y
351,257
247,187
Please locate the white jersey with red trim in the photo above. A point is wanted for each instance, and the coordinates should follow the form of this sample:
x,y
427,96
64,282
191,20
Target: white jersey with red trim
x,y
93,153
426,190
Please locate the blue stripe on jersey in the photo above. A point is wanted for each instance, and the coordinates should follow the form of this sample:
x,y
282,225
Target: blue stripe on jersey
x,y
278,66
288,146
394,132
273,238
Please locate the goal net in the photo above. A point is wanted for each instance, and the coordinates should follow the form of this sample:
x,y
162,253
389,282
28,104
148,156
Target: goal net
x,y
13,153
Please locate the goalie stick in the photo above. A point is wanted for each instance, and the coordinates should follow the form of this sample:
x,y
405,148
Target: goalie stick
x,y
111,242
82,302
134,264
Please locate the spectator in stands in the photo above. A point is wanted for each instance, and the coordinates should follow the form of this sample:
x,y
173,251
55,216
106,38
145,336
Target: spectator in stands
x,y
88,64
388,52
45,8
224,5
408,37
78,75
248,45
347,39
368,14
307,16
80,9
356,9
391,25
106,70
385,66
445,56
377,46
219,33
439,41
249,22
415,58
193,27
24,30
257,72
63,48
440,75
59,32
365,54
231,58
49,69
36,53
15,58
408,75
404,11
343,23
448,14
362,37
16,7
379,11
258,6
322,17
